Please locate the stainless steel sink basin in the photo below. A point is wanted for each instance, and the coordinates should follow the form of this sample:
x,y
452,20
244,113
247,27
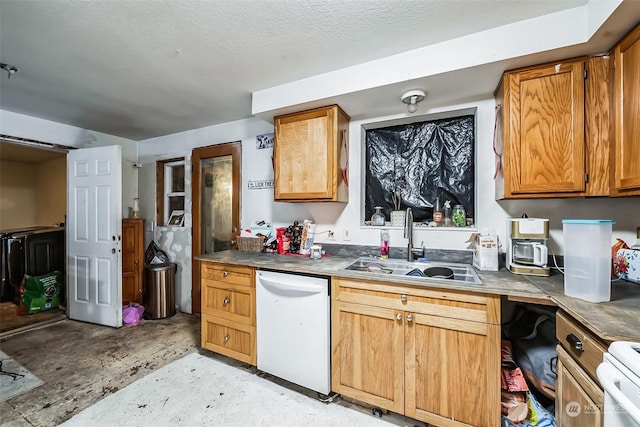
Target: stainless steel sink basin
x,y
427,271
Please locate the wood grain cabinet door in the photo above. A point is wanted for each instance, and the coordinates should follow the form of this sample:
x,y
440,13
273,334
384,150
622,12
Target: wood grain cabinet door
x,y
309,155
452,371
579,401
626,95
368,354
544,150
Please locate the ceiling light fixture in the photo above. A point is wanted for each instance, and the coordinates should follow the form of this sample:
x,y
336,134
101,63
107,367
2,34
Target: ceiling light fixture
x,y
9,69
411,98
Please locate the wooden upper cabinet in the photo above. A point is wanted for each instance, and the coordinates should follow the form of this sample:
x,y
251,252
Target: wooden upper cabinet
x,y
553,130
626,110
311,156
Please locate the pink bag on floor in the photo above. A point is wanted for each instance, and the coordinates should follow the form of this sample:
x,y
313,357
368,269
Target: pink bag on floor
x,y
131,314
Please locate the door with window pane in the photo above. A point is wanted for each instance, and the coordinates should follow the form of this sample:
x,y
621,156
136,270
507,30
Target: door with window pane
x,y
216,204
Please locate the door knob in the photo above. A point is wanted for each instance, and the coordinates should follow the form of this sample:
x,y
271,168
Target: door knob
x,y
409,318
226,301
399,316
226,338
225,273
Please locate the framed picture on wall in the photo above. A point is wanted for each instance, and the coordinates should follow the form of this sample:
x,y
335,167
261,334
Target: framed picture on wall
x,y
176,218
264,141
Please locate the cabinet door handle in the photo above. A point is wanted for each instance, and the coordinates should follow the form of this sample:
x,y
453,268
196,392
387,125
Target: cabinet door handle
x,y
226,301
403,298
409,318
226,338
575,342
399,316
225,273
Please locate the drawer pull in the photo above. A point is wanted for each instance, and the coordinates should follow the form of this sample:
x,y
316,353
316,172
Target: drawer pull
x,y
575,342
403,298
226,338
226,301
225,273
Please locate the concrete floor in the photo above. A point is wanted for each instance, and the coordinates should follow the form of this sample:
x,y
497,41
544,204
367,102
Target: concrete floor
x,y
82,363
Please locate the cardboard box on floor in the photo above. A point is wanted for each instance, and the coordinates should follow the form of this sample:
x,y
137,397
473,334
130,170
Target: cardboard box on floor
x,y
485,251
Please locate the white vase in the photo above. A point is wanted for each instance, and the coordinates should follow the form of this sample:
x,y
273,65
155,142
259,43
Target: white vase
x,y
397,218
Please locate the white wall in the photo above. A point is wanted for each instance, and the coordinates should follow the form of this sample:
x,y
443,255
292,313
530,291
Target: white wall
x,y
490,214
259,204
176,241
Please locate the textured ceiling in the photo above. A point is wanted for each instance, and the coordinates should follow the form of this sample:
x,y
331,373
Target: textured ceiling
x,y
140,69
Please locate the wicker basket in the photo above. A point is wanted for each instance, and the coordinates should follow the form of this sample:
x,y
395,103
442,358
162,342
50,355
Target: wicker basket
x,y
250,244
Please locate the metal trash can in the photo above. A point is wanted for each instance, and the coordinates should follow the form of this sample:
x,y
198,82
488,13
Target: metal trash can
x,y
159,290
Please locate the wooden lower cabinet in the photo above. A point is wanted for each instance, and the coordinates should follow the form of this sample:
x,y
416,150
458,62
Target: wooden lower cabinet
x,y
450,371
579,398
412,352
368,357
579,401
229,310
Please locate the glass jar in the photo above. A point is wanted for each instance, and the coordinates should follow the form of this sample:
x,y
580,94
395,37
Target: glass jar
x,y
459,216
378,217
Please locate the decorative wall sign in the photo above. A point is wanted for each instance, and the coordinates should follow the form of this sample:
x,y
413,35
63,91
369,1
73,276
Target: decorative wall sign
x,y
261,184
264,141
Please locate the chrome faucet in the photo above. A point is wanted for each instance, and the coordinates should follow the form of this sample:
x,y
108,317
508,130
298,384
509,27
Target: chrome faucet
x,y
408,234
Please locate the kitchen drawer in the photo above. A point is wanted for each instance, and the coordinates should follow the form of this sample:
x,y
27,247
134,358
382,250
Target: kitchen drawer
x,y
226,273
583,346
229,301
431,301
229,338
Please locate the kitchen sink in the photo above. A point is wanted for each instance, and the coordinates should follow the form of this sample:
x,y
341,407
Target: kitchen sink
x,y
428,271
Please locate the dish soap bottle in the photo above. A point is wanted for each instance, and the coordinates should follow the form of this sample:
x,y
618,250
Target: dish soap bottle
x,y
378,217
384,244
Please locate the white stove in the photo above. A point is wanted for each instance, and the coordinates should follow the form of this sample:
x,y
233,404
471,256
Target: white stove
x,y
619,375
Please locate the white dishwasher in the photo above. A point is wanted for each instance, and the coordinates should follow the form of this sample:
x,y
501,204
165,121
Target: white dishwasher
x,y
293,334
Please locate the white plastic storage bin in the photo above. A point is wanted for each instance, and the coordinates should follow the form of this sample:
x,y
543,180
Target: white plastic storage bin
x,y
587,258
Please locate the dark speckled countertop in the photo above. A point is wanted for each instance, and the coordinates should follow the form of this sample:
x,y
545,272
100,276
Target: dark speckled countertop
x,y
618,319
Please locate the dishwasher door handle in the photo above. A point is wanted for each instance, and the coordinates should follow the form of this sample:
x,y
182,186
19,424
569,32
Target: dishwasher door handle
x,y
291,288
608,378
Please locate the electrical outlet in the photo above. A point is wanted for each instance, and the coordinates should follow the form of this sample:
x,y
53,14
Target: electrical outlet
x,y
346,234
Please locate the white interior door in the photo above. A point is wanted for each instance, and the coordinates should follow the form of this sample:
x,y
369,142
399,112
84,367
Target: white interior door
x,y
94,229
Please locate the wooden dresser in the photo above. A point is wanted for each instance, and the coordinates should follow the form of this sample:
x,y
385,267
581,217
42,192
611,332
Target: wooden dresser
x,y
132,259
